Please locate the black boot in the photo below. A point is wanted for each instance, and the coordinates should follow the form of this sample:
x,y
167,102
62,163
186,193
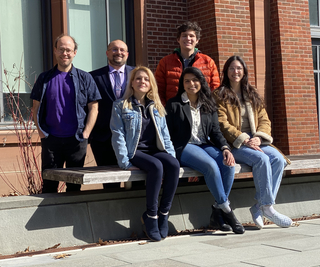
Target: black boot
x,y
217,222
231,219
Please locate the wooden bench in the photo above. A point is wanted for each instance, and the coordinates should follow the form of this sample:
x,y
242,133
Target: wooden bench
x,y
113,174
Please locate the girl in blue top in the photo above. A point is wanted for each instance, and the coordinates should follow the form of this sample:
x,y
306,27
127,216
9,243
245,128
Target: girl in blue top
x,y
140,138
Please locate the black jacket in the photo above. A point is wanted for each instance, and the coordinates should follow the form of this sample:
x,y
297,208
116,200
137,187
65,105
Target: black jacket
x,y
101,130
179,122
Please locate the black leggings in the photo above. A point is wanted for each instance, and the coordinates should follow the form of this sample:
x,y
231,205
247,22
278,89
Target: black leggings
x,y
158,165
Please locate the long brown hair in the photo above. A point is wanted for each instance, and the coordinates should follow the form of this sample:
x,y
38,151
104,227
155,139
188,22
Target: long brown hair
x,y
227,94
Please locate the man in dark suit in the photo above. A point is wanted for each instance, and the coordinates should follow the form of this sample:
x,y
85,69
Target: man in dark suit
x,y
111,81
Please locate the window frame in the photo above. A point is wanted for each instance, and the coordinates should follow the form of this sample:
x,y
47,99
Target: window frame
x,y
316,43
45,9
123,29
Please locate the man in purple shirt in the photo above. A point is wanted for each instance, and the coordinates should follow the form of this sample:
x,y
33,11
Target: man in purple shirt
x,y
65,109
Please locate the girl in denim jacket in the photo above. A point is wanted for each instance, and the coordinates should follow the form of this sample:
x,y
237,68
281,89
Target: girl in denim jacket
x,y
140,138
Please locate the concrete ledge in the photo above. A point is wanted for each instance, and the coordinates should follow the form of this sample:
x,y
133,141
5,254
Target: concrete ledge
x,y
41,221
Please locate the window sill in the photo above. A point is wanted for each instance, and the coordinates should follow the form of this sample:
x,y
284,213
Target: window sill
x,y
10,137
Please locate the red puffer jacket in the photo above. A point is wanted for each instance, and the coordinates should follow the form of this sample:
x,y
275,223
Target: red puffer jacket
x,y
170,68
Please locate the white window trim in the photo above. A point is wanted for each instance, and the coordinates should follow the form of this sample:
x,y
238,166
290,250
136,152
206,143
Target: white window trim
x,y
315,32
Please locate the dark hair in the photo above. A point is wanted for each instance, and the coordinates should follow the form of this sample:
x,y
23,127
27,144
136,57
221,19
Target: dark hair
x,y
189,26
228,95
62,35
204,95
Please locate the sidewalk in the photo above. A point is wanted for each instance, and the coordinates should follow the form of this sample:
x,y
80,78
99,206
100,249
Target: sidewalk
x,y
271,246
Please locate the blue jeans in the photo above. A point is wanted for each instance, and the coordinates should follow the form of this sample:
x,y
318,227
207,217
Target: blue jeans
x,y
267,170
209,161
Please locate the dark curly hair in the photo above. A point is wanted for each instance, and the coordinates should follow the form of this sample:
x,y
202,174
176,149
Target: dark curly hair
x,y
204,95
189,26
226,93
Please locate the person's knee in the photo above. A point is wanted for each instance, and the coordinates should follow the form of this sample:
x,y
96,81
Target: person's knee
x,y
155,166
210,170
174,164
173,169
279,160
261,159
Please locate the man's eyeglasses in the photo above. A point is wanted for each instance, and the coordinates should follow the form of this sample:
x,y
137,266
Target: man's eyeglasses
x,y
68,51
115,50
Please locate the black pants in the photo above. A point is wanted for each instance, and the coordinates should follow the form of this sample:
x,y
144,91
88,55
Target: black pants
x,y
103,152
104,155
55,152
159,165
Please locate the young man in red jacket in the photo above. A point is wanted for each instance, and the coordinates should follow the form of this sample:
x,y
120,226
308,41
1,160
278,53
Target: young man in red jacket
x,y
170,67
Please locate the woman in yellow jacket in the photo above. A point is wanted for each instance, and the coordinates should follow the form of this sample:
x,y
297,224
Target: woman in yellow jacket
x,y
245,124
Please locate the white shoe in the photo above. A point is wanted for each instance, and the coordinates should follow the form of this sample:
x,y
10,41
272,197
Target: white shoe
x,y
257,216
279,219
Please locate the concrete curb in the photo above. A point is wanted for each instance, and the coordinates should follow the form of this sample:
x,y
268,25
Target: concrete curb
x,y
41,221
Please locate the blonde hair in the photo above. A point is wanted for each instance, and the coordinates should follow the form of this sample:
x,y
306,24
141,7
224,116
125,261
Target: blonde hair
x,y
152,94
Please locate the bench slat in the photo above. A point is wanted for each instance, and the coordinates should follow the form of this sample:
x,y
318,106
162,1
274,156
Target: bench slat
x,y
303,164
112,174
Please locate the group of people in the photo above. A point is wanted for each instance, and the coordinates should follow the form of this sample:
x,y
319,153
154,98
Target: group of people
x,y
181,116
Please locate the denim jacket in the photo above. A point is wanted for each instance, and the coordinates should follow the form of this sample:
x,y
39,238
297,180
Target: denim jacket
x,y
86,91
126,124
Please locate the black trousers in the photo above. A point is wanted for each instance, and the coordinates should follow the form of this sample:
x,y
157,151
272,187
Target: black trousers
x,y
103,152
55,152
104,155
163,169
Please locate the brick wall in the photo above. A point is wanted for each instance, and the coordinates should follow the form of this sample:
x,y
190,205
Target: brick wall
x,y
163,17
234,33
204,14
295,124
226,28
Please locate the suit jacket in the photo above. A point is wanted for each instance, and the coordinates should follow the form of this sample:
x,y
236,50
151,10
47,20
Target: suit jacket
x,y
179,121
101,130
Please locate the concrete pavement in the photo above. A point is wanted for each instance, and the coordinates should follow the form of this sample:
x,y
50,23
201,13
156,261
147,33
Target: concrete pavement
x,y
76,219
271,246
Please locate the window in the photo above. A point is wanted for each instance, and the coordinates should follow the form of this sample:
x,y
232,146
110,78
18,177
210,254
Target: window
x,y
316,70
94,24
26,39
315,35
314,12
20,49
